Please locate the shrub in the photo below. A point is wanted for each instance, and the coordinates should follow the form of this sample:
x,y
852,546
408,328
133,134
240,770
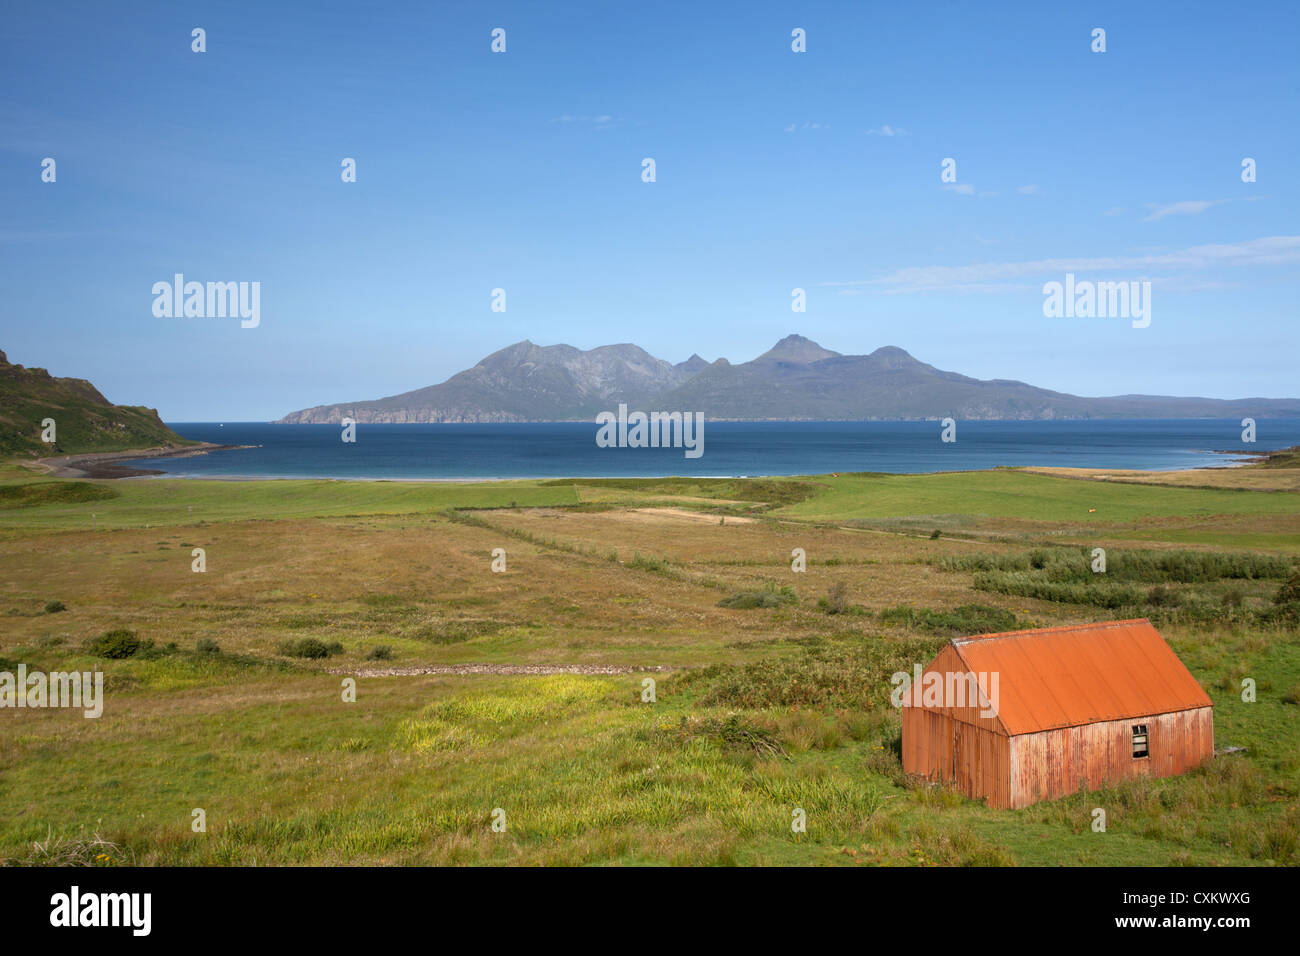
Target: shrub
x,y
853,676
1024,584
380,652
964,620
308,647
1161,596
54,607
206,645
1149,566
1286,615
116,644
1289,592
649,563
935,534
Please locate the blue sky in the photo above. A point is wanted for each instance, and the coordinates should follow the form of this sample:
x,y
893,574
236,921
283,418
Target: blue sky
x,y
522,171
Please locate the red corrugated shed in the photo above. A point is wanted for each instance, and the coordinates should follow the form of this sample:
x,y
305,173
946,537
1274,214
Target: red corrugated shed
x,y
1060,709
1082,674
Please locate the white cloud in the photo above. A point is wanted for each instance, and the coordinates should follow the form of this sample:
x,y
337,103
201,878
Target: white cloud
x,y
993,276
962,189
887,130
1115,211
1030,190
601,119
1189,207
794,126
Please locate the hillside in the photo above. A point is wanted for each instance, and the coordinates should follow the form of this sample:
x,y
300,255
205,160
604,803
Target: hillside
x,y
795,380
85,420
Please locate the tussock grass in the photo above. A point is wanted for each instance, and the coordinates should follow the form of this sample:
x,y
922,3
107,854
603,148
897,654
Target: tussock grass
x,y
76,851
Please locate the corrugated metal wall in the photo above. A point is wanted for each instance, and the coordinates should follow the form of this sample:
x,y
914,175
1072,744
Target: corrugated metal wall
x,y
1056,762
949,665
974,758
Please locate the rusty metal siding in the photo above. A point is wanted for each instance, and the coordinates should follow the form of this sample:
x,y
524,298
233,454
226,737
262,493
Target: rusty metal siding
x,y
976,760
1054,763
947,662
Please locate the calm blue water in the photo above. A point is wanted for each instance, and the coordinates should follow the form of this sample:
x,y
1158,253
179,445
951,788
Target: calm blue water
x,y
569,450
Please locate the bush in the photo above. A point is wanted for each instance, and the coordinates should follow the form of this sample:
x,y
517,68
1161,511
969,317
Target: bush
x,y
54,607
1289,592
934,535
853,675
961,621
1024,584
1148,566
309,647
116,645
206,645
1161,596
380,652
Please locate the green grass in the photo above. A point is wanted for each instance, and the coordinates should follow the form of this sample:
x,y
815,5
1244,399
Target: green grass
x,y
165,502
1007,493
763,712
35,494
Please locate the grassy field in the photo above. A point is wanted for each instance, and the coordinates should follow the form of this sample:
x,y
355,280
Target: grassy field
x,y
772,692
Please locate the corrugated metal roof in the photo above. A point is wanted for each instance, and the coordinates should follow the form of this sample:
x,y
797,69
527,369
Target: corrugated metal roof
x,y
1066,676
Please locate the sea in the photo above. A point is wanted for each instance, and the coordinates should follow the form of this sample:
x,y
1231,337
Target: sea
x,y
730,449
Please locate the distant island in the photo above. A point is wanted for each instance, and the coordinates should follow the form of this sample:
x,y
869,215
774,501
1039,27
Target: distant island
x,y
795,380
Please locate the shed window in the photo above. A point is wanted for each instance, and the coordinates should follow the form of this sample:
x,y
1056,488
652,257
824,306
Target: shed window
x,y
1140,742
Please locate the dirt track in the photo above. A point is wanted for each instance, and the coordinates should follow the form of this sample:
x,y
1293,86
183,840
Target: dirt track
x,y
526,669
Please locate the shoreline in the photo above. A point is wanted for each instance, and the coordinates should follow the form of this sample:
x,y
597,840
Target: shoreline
x,y
100,464
1240,461
154,474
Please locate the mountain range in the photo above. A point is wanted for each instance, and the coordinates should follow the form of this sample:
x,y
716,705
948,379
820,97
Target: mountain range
x,y
795,380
